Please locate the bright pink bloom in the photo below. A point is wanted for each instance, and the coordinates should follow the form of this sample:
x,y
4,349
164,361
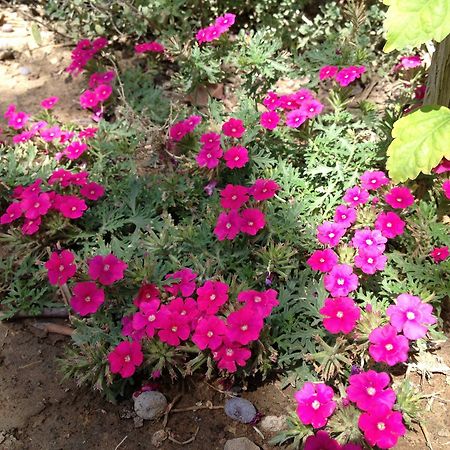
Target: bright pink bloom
x,y
269,120
328,72
92,191
103,92
444,166
387,346
373,179
13,212
410,62
106,269
272,101
367,390
151,47
341,315
231,354
187,309
146,293
302,95
438,253
288,102
22,137
60,267
341,280
10,111
369,260
382,426
18,120
75,149
233,128
125,358
71,206
295,118
210,140
87,298
315,404
62,176
330,233
262,302
225,22
411,316
446,188
146,318
211,296
233,196
87,133
311,108
236,157
173,327
349,74
66,136
79,179
264,189
184,282
49,134
399,197
35,205
209,333
101,78
323,260
50,102
129,331
345,215
31,226
88,100
369,239
244,325
321,441
356,196
192,122
252,220
209,157
178,130
228,225
390,225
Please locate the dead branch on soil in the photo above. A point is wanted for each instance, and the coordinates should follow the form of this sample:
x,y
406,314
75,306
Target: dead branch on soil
x,y
54,328
60,313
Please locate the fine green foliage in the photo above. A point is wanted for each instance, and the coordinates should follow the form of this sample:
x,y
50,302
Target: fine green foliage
x,y
410,23
420,142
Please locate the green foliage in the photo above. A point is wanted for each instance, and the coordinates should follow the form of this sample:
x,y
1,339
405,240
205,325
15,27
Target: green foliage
x,y
410,23
420,142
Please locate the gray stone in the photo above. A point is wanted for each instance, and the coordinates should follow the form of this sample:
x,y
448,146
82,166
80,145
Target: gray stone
x,y
7,28
150,405
24,70
240,409
273,424
241,443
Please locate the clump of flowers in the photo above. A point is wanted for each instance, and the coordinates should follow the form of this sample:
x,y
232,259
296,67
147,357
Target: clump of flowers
x,y
343,76
149,47
213,32
183,127
83,53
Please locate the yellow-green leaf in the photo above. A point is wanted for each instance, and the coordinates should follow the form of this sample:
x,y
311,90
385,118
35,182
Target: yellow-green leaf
x,y
421,140
35,32
414,22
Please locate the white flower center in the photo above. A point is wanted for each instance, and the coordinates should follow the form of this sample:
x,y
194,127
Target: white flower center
x,y
355,198
257,299
234,197
381,426
229,352
321,260
36,205
61,268
87,299
389,347
315,404
250,224
209,155
369,241
174,329
213,297
244,327
343,216
106,267
410,315
371,391
370,260
127,358
228,225
236,158
339,314
340,281
331,235
399,200
210,334
151,318
389,225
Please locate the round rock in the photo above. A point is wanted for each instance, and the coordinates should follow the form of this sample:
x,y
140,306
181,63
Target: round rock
x,y
240,409
150,405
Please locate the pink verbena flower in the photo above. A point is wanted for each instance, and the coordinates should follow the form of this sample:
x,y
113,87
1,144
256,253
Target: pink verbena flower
x,y
98,78
295,118
411,316
230,355
323,260
233,128
129,331
49,134
264,189
146,318
60,267
438,254
410,62
369,239
341,315
288,102
387,346
18,120
173,327
211,296
187,309
261,302
106,269
228,225
79,179
244,325
302,95
13,212
22,137
269,120
233,196
373,179
345,215
92,191
50,102
225,22
315,404
178,130
192,122
347,75
443,166
341,280
125,358
328,72
35,205
210,140
87,133
399,197
184,284
369,260
209,157
252,220
446,188
390,225
149,47
330,233
271,101
75,149
382,426
31,226
147,292
103,92
368,390
236,157
10,111
321,441
311,108
209,333
89,99
70,206
356,196
87,298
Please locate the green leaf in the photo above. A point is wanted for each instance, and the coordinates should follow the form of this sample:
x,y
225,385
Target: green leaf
x,y
35,32
421,140
414,22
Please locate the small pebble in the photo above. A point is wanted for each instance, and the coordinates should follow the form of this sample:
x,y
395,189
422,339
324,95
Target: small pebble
x,y
241,443
7,28
273,424
240,409
24,70
150,405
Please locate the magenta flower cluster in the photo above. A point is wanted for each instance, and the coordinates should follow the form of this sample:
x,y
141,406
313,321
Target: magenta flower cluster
x,y
213,32
298,107
344,76
149,47
83,53
35,201
183,127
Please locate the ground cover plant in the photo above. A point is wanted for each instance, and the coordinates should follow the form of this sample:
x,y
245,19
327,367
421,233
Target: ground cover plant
x,y
239,207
